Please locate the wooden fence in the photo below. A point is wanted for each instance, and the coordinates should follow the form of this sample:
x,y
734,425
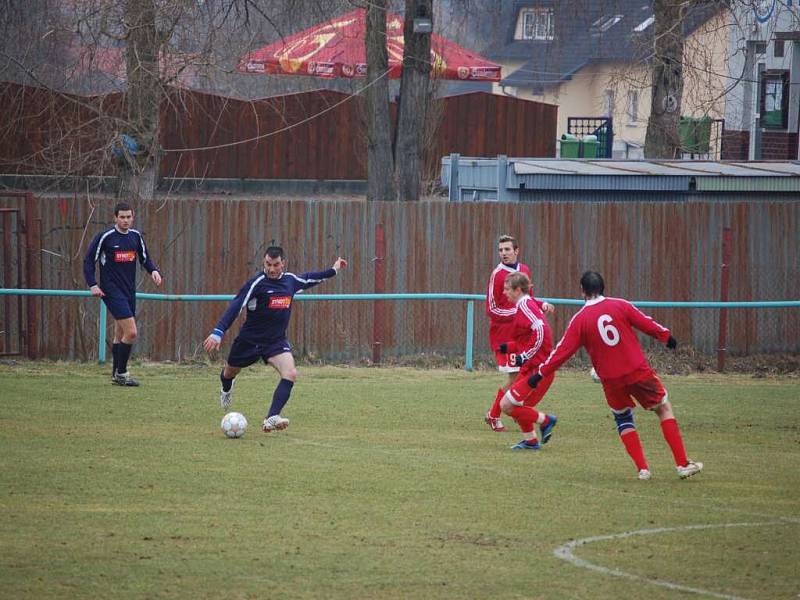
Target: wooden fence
x,y
311,135
646,251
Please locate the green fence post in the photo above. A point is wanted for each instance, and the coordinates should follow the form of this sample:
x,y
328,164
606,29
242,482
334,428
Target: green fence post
x,y
470,334
101,337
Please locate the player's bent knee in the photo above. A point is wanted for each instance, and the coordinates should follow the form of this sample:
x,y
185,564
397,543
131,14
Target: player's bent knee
x,y
290,374
507,403
624,421
664,407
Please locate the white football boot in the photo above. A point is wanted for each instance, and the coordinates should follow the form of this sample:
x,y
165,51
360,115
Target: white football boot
x,y
274,423
691,468
225,399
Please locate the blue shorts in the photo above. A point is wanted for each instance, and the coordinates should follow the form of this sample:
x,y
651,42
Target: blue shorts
x,y
243,353
121,307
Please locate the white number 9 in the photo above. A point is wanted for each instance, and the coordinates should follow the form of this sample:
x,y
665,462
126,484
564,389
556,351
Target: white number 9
x,y
609,333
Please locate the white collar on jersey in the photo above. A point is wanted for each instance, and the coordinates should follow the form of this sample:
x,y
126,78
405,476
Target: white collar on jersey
x,y
122,232
595,300
506,267
523,298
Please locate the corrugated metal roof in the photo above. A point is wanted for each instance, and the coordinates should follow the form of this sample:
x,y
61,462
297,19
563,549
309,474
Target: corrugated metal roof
x,y
510,176
748,184
690,168
658,175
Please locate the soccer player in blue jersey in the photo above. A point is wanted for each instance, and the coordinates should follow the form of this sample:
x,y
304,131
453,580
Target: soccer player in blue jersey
x,y
116,250
267,298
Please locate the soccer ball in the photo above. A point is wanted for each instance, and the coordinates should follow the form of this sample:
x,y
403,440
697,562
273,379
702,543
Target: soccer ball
x,y
594,376
233,425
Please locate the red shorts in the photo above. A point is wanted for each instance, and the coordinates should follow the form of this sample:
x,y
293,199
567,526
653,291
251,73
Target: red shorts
x,y
502,333
648,392
525,394
505,362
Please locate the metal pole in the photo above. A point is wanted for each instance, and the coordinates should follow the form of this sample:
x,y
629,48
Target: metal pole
x,y
32,251
470,334
377,307
101,337
727,249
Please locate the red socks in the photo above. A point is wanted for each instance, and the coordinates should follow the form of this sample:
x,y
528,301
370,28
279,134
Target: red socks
x,y
525,416
633,444
495,411
673,436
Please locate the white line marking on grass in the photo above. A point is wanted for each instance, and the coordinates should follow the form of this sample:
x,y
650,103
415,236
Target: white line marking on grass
x,y
565,552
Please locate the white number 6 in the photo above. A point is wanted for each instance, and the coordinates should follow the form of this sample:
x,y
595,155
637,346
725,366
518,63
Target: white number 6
x,y
609,333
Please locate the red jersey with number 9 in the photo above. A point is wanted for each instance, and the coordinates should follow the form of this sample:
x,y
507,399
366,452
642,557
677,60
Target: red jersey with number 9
x,y
605,327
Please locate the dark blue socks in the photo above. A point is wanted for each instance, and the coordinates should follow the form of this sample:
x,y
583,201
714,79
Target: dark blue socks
x,y
280,397
227,384
123,354
115,354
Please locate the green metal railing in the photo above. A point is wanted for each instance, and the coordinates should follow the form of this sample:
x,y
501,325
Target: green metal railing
x,y
470,299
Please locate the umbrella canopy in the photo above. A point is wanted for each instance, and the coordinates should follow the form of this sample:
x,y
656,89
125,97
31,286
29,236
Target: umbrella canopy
x,y
336,49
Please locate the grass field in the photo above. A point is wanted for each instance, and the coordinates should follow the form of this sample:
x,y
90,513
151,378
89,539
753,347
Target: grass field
x,y
387,485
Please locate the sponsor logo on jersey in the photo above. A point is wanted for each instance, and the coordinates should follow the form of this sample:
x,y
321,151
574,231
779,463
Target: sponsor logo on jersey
x,y
280,302
121,256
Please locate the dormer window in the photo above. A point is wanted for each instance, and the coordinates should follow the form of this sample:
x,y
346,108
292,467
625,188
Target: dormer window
x,y
645,24
605,23
535,24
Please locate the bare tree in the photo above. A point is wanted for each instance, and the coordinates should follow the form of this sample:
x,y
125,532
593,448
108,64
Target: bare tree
x,y
415,88
662,139
380,160
143,100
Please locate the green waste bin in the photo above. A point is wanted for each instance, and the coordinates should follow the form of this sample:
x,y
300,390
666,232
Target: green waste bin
x,y
590,146
574,147
695,134
569,146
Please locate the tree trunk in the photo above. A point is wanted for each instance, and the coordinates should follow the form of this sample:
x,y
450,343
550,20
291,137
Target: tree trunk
x,y
415,87
143,98
380,163
662,139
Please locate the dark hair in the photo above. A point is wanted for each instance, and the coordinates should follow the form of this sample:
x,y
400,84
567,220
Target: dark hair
x,y
120,207
274,252
508,238
592,283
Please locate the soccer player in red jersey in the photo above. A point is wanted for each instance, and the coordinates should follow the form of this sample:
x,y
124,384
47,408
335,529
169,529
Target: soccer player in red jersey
x,y
530,345
501,314
605,327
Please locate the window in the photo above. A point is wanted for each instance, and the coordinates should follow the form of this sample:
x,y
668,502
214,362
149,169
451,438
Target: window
x,y
775,99
606,22
645,24
608,103
537,24
778,49
633,106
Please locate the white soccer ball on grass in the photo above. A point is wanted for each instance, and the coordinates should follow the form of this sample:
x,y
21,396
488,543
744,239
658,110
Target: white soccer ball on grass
x,y
594,375
233,425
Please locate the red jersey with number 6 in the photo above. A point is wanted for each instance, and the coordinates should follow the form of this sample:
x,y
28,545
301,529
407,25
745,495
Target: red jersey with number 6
x,y
605,327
